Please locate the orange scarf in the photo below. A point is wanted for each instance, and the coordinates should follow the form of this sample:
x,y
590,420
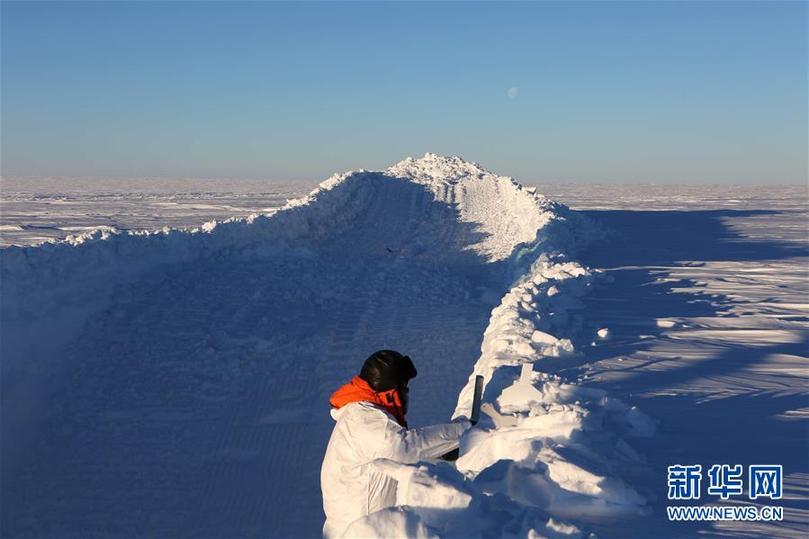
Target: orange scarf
x,y
358,390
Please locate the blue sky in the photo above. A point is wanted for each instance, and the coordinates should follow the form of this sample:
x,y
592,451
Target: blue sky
x,y
611,91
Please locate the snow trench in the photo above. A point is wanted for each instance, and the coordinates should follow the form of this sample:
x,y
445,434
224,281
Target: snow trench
x,y
551,457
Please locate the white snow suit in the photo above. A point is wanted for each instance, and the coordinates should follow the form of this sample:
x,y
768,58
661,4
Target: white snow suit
x,y
352,487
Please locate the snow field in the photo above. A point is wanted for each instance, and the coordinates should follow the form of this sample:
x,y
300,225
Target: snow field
x,y
36,210
704,295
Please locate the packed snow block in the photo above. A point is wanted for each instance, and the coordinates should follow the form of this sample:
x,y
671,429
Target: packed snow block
x,y
500,421
524,485
480,449
435,492
556,421
425,486
543,338
521,395
559,486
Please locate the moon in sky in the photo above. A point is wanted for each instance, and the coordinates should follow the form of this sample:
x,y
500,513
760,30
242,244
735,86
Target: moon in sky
x,y
512,92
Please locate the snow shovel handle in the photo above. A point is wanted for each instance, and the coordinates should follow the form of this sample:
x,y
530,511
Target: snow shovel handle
x,y
476,400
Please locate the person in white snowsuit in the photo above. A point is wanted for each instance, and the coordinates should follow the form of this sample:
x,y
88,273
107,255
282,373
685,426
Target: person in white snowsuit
x,y
370,415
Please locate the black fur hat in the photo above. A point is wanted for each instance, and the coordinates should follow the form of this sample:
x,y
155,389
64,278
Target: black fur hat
x,y
387,369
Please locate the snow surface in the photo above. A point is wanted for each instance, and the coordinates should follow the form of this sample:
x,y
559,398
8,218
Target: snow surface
x,y
36,210
705,291
182,388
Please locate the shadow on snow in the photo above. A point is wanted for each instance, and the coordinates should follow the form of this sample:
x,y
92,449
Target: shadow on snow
x,y
695,428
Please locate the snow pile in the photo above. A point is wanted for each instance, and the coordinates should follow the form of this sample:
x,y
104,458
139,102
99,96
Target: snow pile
x,y
37,282
546,453
485,200
92,263
551,445
433,501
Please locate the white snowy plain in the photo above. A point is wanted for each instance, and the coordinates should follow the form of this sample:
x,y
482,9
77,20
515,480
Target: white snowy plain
x,y
175,383
36,210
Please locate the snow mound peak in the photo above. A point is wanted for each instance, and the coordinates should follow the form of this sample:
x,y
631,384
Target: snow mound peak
x,y
434,167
